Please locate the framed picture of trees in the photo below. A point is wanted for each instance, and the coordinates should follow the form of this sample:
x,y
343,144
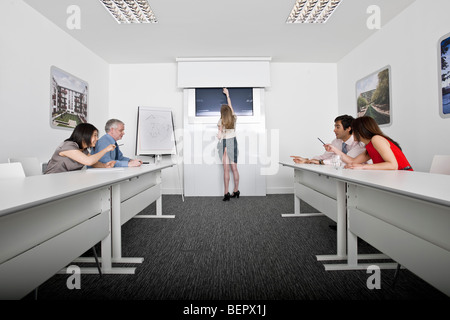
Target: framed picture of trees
x,y
373,96
444,76
68,99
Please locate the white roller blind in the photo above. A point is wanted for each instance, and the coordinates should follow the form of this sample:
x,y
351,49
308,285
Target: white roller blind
x,y
223,72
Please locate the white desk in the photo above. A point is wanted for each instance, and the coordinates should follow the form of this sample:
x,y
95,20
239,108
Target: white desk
x,y
323,188
47,221
326,194
132,190
405,215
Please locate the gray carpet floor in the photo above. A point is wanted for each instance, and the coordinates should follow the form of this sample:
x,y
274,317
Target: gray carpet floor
x,y
237,250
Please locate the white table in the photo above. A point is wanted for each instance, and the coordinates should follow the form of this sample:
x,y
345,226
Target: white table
x,y
47,221
405,215
133,190
326,194
322,187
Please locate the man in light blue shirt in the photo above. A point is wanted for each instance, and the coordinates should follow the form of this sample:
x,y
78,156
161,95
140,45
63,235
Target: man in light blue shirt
x,y
115,129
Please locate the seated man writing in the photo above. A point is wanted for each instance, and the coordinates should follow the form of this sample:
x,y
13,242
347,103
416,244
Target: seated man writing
x,y
344,141
115,129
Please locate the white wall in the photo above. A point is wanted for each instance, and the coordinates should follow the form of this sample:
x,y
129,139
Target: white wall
x,y
147,85
409,44
30,45
301,105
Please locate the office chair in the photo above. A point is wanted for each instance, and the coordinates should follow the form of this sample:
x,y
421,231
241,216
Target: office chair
x,y
11,170
440,164
31,165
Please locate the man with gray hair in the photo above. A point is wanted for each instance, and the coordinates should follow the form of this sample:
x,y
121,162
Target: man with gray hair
x,y
115,129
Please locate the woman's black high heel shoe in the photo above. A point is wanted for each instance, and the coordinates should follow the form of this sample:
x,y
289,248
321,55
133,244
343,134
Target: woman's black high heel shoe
x,y
236,194
226,197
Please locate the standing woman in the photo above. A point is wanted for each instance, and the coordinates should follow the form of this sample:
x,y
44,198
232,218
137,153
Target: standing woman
x,y
385,153
72,154
227,146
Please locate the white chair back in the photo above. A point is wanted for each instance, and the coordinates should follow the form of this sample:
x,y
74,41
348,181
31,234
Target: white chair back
x,y
31,166
11,170
440,164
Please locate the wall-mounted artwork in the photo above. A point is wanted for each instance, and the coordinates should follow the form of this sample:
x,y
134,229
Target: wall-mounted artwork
x,y
68,99
444,76
373,94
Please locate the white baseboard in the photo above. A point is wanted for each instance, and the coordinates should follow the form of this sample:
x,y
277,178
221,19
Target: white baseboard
x,y
279,190
171,191
286,190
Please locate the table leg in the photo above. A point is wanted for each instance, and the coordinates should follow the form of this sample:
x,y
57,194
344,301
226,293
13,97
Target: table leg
x,y
112,244
158,212
117,229
352,258
352,246
341,221
297,212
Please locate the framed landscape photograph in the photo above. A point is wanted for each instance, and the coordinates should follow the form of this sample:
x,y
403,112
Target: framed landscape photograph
x,y
444,76
68,99
373,96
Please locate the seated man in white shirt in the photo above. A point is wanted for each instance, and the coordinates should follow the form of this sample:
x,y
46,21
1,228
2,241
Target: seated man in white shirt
x,y
344,141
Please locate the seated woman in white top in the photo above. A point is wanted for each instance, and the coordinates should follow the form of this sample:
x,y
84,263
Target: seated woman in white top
x,y
227,146
72,154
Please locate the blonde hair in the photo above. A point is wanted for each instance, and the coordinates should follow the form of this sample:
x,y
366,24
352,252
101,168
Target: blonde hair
x,y
227,116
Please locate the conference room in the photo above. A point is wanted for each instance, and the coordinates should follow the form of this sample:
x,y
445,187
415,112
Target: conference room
x,y
161,231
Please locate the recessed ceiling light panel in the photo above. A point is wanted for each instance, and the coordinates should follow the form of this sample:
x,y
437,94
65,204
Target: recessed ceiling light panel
x,y
312,11
130,11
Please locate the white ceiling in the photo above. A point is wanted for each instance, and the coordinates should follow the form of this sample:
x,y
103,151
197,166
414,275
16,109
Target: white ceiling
x,y
219,28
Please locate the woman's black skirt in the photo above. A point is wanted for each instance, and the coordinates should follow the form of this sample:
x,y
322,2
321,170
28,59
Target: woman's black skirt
x,y
232,149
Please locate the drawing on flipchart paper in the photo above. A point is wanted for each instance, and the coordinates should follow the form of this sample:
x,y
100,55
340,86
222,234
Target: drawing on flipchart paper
x,y
156,130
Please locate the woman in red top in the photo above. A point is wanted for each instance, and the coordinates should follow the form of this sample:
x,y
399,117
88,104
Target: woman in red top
x,y
385,153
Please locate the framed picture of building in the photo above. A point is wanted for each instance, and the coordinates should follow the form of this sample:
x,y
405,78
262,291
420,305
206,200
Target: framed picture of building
x,y
444,76
68,99
373,96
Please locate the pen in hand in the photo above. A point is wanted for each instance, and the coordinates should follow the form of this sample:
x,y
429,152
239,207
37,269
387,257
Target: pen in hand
x,y
321,141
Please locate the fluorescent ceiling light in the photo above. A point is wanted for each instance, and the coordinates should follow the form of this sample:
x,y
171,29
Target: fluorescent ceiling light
x,y
312,11
130,11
